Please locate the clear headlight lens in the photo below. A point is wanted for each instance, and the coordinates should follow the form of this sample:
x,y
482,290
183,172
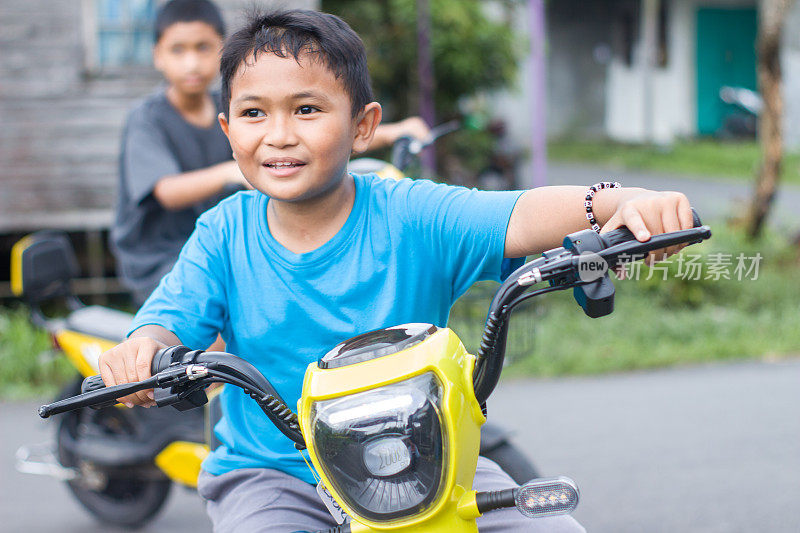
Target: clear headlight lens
x,y
384,449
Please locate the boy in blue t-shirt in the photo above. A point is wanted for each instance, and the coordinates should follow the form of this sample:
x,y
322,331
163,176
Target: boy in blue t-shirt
x,y
314,256
175,161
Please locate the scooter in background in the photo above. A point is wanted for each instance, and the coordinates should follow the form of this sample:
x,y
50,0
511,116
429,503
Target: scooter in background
x,y
119,463
742,121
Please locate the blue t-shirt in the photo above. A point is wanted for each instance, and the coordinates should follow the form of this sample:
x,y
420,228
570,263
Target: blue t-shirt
x,y
407,251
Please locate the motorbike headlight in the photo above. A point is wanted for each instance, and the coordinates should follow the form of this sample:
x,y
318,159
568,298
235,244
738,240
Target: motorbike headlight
x,y
384,450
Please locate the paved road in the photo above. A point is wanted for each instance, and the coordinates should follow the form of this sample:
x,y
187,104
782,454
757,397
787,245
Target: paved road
x,y
38,504
714,198
703,449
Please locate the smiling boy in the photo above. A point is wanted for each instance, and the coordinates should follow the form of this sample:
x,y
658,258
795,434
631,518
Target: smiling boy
x,y
314,256
175,161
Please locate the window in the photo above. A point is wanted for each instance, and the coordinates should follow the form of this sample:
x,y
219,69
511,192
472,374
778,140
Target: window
x,y
118,33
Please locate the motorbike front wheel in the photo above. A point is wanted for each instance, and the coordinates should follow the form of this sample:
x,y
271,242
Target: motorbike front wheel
x,y
128,497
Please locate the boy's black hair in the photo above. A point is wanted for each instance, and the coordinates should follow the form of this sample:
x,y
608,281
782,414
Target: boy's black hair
x,y
283,33
188,11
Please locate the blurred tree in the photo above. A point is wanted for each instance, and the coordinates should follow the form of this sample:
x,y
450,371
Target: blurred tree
x,y
771,17
471,52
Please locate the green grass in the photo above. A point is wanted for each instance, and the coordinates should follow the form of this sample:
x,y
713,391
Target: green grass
x,y
28,365
656,323
702,157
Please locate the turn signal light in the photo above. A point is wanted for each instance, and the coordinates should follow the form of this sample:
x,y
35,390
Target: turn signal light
x,y
547,497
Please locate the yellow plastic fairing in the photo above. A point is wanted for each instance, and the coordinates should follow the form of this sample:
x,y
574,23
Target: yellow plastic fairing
x,y
16,264
82,350
444,355
181,460
390,172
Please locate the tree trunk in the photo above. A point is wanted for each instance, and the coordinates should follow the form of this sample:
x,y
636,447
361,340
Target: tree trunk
x,y
771,14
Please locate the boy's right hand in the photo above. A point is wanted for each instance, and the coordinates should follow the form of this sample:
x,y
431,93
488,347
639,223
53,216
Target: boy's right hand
x,y
129,362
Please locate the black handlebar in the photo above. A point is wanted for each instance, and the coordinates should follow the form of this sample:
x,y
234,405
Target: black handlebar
x,y
93,383
623,234
161,361
405,148
560,267
179,377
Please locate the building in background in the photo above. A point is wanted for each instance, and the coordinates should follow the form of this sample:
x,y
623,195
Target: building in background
x,y
600,85
71,69
700,46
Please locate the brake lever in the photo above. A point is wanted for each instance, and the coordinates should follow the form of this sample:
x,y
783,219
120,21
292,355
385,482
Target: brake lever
x,y
95,397
170,378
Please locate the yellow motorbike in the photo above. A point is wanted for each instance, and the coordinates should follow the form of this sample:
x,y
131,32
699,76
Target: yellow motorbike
x,y
391,419
120,463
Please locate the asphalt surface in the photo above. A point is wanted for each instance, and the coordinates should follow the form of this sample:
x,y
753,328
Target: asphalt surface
x,y
699,449
703,449
39,504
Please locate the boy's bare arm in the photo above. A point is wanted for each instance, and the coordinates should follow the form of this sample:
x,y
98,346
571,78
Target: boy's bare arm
x,y
386,134
130,360
543,216
179,191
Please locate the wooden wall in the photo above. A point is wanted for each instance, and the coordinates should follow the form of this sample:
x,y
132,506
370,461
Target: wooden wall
x,y
59,124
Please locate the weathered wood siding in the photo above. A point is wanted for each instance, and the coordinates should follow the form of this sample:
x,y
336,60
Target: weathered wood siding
x,y
59,137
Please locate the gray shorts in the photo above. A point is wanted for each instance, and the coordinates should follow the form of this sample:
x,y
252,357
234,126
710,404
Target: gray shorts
x,y
259,500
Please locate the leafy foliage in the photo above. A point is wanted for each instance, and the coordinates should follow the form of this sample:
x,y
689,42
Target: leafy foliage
x,y
470,51
27,363
657,322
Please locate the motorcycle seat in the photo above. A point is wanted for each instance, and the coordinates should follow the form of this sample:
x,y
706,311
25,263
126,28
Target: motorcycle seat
x,y
99,321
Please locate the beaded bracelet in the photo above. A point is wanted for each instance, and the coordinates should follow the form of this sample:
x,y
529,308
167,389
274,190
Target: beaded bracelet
x,y
590,195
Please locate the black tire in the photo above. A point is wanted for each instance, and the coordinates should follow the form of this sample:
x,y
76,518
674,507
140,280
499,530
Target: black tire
x,y
511,460
131,497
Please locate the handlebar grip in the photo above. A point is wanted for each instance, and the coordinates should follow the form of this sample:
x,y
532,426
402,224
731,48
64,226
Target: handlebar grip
x,y
161,360
93,383
401,154
623,234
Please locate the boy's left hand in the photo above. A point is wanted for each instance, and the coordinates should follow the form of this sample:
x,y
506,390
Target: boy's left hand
x,y
648,213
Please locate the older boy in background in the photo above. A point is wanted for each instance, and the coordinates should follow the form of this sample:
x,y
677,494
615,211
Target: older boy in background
x,y
175,161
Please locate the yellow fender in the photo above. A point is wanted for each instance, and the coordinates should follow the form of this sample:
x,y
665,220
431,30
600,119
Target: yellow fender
x,y
181,460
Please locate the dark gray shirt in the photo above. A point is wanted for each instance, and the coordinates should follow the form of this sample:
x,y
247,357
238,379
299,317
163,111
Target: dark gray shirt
x,y
157,142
